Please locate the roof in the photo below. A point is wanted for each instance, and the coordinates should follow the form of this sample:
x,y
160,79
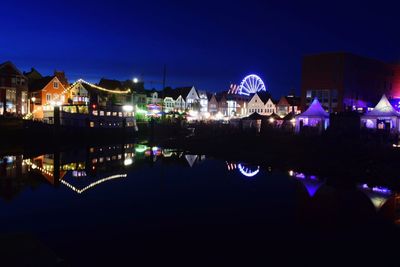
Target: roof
x,y
293,100
274,116
211,95
39,84
315,110
264,96
89,86
289,116
15,70
219,96
383,108
150,92
33,73
174,93
183,91
283,102
255,116
202,94
110,84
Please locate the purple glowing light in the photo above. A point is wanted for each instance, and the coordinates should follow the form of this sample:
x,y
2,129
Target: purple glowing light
x,y
377,189
300,175
311,186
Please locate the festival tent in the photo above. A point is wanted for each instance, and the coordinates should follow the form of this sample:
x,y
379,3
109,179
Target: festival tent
x,y
254,120
383,116
255,116
314,117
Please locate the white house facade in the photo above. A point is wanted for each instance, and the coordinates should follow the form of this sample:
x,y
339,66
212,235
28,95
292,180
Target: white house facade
x,y
192,99
169,104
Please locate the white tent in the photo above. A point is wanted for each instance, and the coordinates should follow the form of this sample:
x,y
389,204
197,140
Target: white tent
x,y
315,116
383,116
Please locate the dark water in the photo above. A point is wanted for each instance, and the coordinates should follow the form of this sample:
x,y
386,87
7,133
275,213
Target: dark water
x,y
120,204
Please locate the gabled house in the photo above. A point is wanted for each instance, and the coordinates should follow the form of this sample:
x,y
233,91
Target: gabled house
x,y
191,97
169,97
47,92
13,90
203,101
213,104
258,104
282,107
222,103
288,104
152,97
180,103
270,107
236,103
168,104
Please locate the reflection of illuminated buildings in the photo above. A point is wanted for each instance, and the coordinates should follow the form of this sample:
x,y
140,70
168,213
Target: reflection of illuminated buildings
x,y
81,170
377,195
193,159
14,176
244,169
311,183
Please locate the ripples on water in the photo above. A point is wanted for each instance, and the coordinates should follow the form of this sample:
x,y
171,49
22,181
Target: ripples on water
x,y
111,203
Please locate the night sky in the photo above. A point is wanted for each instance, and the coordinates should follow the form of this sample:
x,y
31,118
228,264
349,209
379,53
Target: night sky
x,y
208,44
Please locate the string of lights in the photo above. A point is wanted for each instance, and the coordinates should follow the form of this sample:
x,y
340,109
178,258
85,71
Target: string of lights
x,y
80,191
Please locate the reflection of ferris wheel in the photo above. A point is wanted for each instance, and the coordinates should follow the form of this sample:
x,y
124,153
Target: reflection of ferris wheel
x,y
251,84
246,171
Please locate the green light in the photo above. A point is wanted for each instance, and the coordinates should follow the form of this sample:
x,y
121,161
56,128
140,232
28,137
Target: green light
x,y
142,111
140,148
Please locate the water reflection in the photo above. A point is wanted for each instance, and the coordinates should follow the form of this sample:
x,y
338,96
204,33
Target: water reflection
x,y
378,195
246,170
82,170
133,191
310,182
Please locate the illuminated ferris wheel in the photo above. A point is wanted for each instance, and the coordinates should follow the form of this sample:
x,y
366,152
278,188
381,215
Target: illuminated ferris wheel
x,y
251,84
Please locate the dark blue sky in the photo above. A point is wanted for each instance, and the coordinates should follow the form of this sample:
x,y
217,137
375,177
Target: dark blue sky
x,y
204,43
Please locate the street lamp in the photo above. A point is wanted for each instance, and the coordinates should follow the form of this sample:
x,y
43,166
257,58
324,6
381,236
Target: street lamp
x,y
33,99
135,80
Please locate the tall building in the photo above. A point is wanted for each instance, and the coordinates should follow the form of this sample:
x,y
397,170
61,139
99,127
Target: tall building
x,y
13,90
343,81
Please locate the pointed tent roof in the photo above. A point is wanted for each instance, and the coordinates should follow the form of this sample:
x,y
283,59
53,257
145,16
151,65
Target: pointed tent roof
x,y
255,116
383,108
315,110
289,116
274,116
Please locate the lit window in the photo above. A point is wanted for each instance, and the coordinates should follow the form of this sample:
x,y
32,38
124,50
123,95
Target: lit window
x,y
48,97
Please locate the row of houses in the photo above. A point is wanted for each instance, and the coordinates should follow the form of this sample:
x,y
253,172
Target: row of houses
x,y
23,93
223,103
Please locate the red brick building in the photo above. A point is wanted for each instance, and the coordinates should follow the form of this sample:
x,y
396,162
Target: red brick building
x,y
343,81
